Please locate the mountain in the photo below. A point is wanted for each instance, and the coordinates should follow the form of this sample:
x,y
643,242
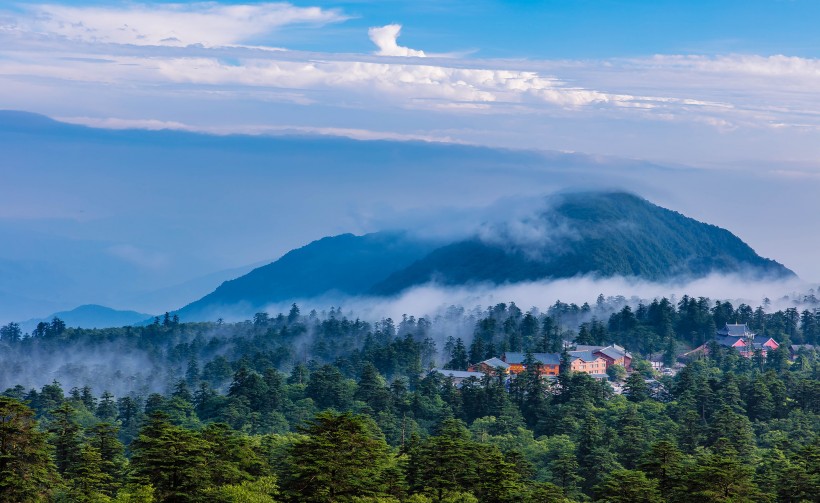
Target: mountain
x,y
90,316
602,234
344,264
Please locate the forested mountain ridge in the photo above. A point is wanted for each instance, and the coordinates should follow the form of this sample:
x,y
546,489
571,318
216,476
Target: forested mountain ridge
x,y
598,233
602,234
344,264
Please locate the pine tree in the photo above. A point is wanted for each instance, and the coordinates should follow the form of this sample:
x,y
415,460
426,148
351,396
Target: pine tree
x,y
720,476
65,437
27,472
171,459
628,486
458,357
664,463
339,458
89,482
107,408
445,463
103,438
635,388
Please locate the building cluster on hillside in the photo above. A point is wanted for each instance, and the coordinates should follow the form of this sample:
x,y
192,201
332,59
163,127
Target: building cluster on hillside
x,y
738,336
595,360
592,360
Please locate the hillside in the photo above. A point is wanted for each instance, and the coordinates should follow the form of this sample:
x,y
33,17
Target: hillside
x,y
596,233
344,264
603,234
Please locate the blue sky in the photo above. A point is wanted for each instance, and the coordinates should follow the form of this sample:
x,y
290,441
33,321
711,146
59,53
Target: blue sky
x,y
725,94
568,28
590,28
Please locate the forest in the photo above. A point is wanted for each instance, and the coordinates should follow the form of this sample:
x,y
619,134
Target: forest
x,y
325,407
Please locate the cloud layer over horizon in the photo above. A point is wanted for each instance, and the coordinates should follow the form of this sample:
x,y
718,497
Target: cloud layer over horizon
x,y
718,129
167,63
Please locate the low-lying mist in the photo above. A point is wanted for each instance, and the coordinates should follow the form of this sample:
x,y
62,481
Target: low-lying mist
x,y
433,300
141,360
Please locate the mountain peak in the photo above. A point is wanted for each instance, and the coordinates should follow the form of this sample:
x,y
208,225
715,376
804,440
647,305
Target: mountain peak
x,y
603,234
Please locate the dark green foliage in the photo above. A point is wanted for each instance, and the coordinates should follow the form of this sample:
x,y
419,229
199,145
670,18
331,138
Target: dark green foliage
x,y
341,457
627,486
171,459
725,428
27,473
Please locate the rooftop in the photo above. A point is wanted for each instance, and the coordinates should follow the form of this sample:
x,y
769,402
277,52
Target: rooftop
x,y
495,362
458,374
542,358
586,356
736,330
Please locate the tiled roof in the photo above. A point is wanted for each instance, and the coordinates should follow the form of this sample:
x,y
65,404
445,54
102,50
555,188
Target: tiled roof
x,y
611,352
458,374
735,330
495,362
586,356
727,341
542,358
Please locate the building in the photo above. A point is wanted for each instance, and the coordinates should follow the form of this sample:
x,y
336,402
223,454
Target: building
x,y
549,363
588,363
491,366
613,354
458,376
740,337
796,349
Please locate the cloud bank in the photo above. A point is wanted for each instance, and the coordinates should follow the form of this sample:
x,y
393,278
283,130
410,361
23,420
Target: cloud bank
x,y
432,301
168,63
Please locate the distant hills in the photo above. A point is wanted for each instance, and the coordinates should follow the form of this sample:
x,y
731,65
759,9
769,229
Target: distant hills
x,y
90,316
603,234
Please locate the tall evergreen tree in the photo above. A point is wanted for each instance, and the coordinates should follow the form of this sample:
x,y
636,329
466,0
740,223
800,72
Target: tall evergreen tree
x,y
340,457
27,473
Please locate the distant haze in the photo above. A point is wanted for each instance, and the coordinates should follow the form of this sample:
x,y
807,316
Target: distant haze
x,y
108,217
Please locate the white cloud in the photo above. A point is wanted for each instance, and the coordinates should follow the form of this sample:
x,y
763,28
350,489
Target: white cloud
x,y
385,39
156,125
430,86
765,66
432,300
207,23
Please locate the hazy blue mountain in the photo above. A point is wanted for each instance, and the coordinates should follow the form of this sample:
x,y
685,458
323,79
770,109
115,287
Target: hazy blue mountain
x,y
603,234
344,264
90,316
596,233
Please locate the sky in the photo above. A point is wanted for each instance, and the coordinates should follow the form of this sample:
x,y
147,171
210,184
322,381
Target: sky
x,y
711,108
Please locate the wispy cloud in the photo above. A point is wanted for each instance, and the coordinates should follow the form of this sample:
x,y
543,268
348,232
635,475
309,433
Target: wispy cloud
x,y
206,23
138,256
182,59
250,129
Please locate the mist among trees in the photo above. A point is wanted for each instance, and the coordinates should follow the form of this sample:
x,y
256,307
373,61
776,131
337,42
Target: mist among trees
x,y
327,407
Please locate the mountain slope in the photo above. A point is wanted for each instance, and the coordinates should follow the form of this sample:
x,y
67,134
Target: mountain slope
x,y
344,264
604,234
597,233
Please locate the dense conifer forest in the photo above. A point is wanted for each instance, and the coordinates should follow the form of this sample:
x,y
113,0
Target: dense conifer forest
x,y
325,407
